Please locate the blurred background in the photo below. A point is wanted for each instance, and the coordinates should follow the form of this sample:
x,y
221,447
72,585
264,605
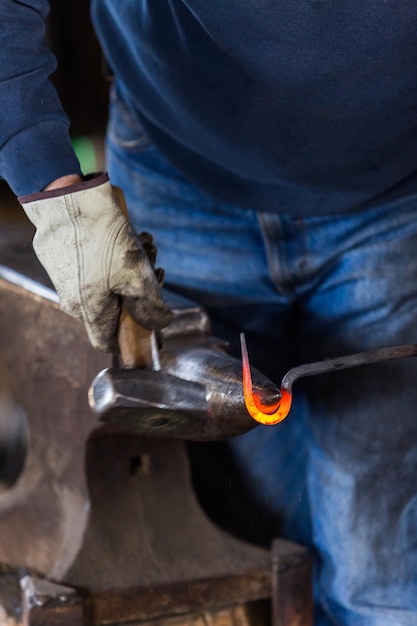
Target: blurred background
x,y
82,85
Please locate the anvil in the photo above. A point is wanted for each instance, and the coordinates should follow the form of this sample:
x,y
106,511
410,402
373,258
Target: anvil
x,y
107,507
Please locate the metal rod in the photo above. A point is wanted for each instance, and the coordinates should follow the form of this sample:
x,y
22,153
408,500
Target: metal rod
x,y
352,360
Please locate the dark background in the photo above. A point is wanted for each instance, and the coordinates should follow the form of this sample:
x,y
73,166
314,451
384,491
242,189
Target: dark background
x,y
80,75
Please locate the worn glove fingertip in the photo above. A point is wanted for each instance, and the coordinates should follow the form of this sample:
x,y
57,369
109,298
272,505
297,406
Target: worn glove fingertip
x,y
160,275
153,314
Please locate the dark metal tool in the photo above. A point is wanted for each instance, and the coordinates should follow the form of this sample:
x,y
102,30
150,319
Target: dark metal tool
x,y
368,357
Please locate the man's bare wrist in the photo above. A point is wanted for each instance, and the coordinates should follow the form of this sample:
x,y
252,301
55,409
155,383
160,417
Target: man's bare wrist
x,y
64,181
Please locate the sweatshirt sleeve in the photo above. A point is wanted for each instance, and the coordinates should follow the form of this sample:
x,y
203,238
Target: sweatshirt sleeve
x,y
35,146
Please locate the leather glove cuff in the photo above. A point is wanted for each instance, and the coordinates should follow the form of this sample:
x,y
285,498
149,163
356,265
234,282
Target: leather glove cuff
x,y
90,181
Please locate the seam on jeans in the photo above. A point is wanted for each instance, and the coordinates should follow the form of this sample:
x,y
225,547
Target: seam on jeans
x,y
274,260
326,608
121,117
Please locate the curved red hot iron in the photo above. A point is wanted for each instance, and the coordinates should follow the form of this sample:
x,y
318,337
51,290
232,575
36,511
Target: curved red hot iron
x,y
273,414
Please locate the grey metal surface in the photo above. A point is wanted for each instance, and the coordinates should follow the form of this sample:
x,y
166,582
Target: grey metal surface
x,y
197,394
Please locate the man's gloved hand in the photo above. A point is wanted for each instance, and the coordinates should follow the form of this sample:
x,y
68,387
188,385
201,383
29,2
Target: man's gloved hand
x,y
95,259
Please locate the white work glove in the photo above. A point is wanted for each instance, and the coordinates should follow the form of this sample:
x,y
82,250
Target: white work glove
x,y
95,259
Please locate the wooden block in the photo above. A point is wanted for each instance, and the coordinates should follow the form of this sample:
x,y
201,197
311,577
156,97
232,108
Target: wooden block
x,y
248,614
292,595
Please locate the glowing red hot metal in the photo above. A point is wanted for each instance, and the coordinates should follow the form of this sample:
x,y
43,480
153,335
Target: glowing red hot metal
x,y
273,414
260,412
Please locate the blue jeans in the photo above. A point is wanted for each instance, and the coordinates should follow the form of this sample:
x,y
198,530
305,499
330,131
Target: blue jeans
x,y
340,473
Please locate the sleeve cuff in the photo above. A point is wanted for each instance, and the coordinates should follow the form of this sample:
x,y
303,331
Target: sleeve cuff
x,y
33,158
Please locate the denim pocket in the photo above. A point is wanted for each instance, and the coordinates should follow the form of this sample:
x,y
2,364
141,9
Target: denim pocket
x,y
124,129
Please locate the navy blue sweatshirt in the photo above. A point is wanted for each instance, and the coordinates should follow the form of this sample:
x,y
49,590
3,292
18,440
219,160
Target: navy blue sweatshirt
x,y
304,107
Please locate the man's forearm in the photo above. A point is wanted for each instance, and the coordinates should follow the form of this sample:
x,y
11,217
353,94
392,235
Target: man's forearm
x,y
35,146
